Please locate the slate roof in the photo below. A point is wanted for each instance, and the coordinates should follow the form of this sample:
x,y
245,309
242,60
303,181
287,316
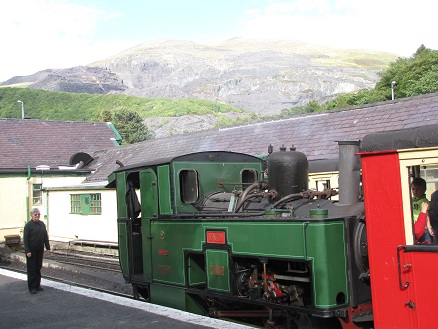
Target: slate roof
x,y
313,134
32,142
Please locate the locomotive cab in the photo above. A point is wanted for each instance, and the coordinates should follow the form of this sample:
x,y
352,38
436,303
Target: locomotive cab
x,y
168,189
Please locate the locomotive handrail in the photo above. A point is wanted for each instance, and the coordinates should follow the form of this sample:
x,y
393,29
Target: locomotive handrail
x,y
305,225
220,214
402,286
421,248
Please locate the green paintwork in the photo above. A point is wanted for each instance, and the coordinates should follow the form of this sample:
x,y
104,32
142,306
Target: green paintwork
x,y
118,140
123,248
174,297
149,210
223,172
123,231
279,213
121,195
164,190
149,194
175,254
111,179
147,249
321,243
221,281
318,213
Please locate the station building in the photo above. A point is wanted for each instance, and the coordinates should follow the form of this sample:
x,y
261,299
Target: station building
x,y
39,158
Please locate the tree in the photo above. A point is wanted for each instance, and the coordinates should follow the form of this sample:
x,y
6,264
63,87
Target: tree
x,y
428,83
130,126
106,116
414,75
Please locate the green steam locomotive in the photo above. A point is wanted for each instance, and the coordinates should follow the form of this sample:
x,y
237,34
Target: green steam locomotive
x,y
239,237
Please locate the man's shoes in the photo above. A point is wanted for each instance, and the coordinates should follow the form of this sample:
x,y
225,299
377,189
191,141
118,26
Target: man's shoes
x,y
33,291
40,289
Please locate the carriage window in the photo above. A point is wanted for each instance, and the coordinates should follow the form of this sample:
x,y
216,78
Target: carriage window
x,y
423,184
189,186
430,174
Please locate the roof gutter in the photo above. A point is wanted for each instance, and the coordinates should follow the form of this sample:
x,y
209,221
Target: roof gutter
x,y
29,174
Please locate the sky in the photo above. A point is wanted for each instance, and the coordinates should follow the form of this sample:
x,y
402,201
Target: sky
x,y
50,34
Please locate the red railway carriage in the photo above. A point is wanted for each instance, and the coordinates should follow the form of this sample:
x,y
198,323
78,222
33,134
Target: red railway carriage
x,y
403,273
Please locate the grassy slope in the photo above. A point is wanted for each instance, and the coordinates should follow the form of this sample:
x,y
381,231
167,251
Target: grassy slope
x,y
47,105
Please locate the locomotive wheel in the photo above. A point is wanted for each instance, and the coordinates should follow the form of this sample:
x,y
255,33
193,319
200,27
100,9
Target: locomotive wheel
x,y
140,292
301,321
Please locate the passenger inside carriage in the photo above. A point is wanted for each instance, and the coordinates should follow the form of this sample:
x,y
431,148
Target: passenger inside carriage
x,y
419,225
433,212
423,230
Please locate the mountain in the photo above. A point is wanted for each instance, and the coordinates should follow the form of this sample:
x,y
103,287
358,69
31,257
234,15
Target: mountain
x,y
255,75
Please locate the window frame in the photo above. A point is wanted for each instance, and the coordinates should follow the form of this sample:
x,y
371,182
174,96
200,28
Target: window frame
x,y
408,159
189,186
86,203
40,197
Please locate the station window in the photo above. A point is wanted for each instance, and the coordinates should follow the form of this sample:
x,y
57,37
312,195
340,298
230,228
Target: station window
x,y
322,185
86,204
430,174
189,186
37,194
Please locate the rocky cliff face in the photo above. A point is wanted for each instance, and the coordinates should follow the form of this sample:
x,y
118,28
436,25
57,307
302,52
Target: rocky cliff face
x,y
259,76
80,79
264,77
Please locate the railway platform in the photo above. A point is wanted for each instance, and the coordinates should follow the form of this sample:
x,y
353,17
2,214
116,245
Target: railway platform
x,y
63,306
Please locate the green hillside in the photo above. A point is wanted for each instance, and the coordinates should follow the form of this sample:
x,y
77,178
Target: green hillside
x,y
39,104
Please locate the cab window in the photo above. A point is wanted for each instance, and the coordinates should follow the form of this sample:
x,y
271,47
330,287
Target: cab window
x,y
189,186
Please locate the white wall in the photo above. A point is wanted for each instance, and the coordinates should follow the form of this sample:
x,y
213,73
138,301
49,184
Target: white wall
x,y
64,226
13,214
333,177
16,199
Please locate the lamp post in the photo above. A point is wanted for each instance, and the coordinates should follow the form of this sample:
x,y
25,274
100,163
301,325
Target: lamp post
x,y
22,108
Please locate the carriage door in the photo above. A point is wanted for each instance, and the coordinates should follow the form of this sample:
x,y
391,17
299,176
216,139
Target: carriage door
x,y
149,210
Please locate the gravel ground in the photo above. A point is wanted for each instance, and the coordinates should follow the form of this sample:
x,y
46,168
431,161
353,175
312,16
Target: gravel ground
x,y
14,258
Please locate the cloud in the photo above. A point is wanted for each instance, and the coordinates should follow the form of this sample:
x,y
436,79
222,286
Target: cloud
x,y
43,34
398,27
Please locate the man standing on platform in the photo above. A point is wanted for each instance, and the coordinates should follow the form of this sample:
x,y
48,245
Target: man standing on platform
x,y
35,238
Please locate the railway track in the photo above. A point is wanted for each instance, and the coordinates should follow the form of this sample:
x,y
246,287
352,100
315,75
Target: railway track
x,y
77,268
73,283
85,259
